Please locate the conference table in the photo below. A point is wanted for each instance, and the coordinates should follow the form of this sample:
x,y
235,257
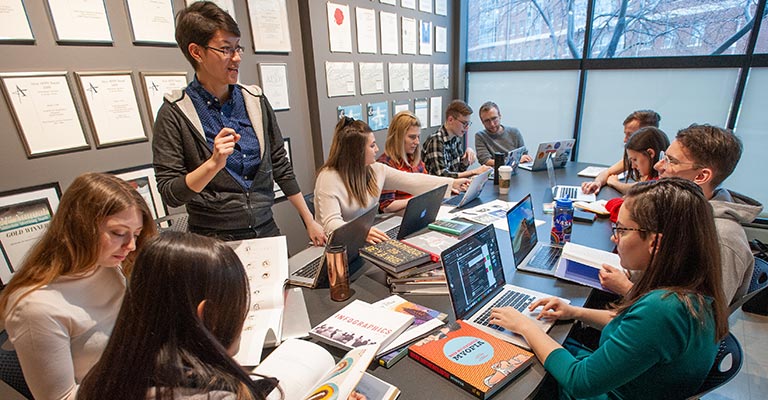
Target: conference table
x,y
415,381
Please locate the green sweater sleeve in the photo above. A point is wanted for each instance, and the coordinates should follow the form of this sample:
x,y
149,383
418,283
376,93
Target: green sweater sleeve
x,y
654,330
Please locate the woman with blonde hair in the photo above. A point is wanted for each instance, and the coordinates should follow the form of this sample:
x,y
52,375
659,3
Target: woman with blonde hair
x,y
402,151
60,306
351,180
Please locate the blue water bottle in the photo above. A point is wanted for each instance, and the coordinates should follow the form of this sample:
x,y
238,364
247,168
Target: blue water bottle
x,y
562,221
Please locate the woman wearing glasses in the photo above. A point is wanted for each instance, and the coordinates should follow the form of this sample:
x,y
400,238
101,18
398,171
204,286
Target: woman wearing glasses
x,y
661,339
641,152
351,180
216,146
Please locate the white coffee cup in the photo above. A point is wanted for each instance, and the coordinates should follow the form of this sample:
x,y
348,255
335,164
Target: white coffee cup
x,y
505,174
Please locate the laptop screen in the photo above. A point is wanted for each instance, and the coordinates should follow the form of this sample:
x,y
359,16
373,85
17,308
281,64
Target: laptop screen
x,y
473,270
522,229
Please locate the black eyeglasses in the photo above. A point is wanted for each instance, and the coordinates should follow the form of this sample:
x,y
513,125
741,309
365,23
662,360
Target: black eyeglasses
x,y
229,52
617,230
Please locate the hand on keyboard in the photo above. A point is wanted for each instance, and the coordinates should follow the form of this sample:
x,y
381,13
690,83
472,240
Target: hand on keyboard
x,y
554,308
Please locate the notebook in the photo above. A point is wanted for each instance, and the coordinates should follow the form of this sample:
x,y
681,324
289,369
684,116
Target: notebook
x,y
564,191
307,268
561,149
475,276
420,212
474,190
530,254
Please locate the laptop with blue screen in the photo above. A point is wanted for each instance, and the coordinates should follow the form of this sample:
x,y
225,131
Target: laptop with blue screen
x,y
530,254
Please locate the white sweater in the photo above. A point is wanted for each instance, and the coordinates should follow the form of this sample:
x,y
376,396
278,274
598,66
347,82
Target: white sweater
x,y
60,330
334,206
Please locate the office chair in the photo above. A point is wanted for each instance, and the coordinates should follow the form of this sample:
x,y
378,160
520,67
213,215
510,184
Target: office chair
x,y
759,282
173,222
725,368
309,198
10,370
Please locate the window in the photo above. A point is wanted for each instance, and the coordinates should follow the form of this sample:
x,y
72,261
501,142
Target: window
x,y
762,38
750,128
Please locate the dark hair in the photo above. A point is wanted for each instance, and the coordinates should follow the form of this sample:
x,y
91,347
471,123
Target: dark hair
x,y
487,106
686,260
644,118
347,158
643,139
160,342
457,108
198,23
712,147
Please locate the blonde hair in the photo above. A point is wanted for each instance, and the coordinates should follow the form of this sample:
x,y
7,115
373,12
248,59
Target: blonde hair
x,y
395,144
71,244
347,158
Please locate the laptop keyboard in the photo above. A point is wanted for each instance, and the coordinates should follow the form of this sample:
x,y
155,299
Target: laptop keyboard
x,y
546,257
309,270
511,298
570,192
392,232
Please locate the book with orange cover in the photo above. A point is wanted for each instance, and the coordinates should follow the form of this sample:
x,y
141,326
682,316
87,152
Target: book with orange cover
x,y
470,358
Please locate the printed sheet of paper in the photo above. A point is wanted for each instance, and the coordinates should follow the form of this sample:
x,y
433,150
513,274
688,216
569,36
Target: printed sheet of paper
x,y
441,39
436,108
440,79
399,77
389,37
339,28
410,35
366,30
421,76
340,78
80,21
425,38
269,26
371,78
151,21
14,24
421,109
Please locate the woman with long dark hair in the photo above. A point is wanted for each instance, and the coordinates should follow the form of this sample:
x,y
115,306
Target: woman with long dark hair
x,y
641,153
661,339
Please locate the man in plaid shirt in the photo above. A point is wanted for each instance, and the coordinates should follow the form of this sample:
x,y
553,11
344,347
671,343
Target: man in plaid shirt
x,y
444,153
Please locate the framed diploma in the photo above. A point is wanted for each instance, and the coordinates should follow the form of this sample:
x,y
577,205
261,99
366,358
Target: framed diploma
x,y
14,23
287,145
112,109
157,85
24,217
269,26
152,22
274,82
44,111
142,178
226,5
80,21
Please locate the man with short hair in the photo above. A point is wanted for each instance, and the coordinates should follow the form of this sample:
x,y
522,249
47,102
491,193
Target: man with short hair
x,y
444,152
496,138
707,155
634,121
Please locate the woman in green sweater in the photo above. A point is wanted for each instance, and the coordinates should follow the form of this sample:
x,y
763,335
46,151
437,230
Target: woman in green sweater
x,y
661,339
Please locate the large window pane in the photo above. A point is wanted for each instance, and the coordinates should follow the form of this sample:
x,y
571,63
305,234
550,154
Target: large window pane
x,y
762,39
680,96
513,30
542,104
751,128
653,28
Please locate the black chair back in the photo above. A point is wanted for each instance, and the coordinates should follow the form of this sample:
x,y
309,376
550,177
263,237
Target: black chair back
x,y
727,364
10,370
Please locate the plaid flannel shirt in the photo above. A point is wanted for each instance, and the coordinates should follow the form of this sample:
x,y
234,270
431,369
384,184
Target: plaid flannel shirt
x,y
442,154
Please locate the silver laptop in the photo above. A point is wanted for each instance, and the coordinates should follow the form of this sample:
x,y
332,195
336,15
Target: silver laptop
x,y
564,191
513,158
473,191
561,149
530,254
476,284
420,212
307,268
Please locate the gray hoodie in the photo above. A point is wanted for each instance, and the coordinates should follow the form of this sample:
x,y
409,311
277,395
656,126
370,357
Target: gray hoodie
x,y
730,210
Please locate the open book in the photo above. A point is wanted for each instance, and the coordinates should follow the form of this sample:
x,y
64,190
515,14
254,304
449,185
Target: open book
x,y
582,264
306,370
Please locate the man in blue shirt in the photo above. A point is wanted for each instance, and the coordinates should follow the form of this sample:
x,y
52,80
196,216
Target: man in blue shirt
x,y
216,144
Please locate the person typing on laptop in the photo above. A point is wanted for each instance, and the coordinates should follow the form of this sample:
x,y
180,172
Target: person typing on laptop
x,y
444,152
351,181
402,151
662,338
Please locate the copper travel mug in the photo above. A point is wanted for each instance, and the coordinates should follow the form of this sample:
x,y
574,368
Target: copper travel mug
x,y
338,272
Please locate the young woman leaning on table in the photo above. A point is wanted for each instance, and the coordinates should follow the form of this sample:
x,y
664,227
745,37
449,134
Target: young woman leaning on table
x,y
402,151
178,328
351,180
641,153
661,339
60,306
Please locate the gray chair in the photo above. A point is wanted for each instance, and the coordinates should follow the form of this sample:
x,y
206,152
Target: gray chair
x,y
173,222
725,368
10,370
758,283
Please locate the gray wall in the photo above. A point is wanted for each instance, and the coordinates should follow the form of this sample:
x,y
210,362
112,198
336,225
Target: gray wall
x,y
46,55
323,109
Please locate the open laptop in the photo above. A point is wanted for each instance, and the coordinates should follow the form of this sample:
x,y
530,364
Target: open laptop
x,y
307,268
513,158
565,191
561,149
475,276
473,191
529,253
420,212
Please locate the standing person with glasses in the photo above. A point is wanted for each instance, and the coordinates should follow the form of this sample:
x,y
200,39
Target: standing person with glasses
x,y
496,138
444,152
217,146
661,339
707,155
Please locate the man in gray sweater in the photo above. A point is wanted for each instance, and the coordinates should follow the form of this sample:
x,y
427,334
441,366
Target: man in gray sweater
x,y
496,137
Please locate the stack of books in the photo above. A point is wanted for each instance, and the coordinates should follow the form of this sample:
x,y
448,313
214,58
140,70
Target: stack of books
x,y
429,282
